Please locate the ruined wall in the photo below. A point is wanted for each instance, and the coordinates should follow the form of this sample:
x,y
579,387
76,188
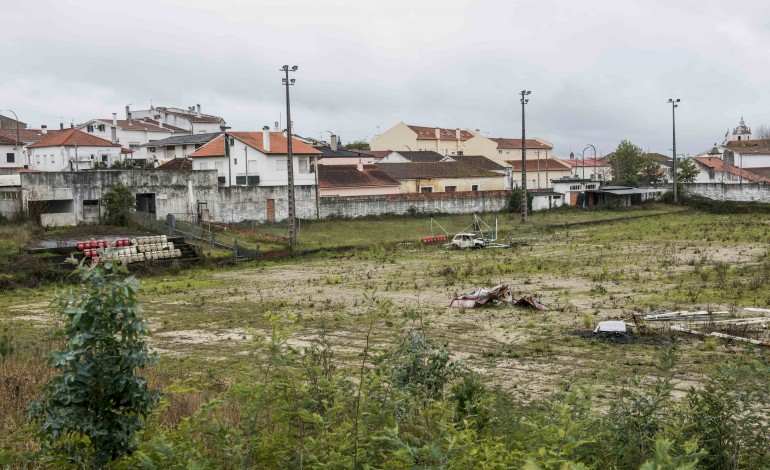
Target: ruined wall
x,y
449,203
172,193
730,192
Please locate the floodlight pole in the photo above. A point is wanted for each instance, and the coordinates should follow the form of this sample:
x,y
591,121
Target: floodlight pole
x,y
290,163
674,105
524,101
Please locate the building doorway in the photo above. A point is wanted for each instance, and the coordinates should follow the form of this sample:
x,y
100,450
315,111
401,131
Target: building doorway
x,y
145,202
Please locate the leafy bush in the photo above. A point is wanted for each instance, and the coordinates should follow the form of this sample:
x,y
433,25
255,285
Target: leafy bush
x,y
119,202
89,414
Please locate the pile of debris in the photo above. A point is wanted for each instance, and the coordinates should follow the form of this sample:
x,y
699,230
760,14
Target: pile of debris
x,y
481,296
704,323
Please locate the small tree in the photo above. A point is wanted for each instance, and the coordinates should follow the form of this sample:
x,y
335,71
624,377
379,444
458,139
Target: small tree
x,y
687,171
119,202
91,411
627,163
358,145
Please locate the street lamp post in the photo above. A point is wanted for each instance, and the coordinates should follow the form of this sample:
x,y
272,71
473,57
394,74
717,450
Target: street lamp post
x,y
290,164
538,168
594,149
524,101
16,148
674,105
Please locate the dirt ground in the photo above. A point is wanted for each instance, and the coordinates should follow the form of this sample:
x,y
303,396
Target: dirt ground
x,y
208,321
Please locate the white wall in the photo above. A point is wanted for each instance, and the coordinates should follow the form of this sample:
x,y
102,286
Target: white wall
x,y
271,169
58,158
130,138
18,157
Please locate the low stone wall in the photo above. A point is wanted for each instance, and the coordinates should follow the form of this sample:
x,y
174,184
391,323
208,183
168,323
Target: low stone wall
x,y
730,192
465,202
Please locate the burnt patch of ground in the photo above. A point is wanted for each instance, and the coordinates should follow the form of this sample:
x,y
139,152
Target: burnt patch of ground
x,y
651,338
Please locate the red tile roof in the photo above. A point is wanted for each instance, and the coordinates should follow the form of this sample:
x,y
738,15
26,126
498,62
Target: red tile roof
x,y
142,125
506,143
72,137
592,162
718,165
550,164
29,135
429,133
176,164
407,171
349,176
7,140
376,153
278,145
748,146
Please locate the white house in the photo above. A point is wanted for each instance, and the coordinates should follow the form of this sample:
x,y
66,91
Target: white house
x,y
132,133
10,156
178,146
72,150
589,168
713,169
256,158
190,119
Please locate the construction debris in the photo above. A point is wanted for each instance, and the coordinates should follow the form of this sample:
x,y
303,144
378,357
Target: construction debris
x,y
530,301
611,326
721,335
482,297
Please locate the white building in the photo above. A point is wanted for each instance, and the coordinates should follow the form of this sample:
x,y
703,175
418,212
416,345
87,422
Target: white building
x,y
180,146
132,133
190,119
256,159
72,150
10,156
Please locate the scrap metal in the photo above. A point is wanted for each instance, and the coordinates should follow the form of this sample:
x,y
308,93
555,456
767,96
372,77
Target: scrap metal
x,y
482,297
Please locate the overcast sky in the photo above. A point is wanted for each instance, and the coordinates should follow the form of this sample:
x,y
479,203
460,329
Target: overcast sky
x,y
599,71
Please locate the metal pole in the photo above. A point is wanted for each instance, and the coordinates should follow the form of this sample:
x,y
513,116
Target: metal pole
x,y
229,162
538,168
290,163
524,101
674,104
594,149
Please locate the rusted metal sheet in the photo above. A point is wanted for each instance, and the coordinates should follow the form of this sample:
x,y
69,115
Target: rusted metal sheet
x,y
532,302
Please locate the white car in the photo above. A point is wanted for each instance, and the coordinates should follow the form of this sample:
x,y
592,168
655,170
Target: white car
x,y
467,240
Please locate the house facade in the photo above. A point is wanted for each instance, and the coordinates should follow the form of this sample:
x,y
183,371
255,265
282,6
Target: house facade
x,y
190,119
132,133
10,156
256,159
503,149
415,138
72,150
178,146
442,177
540,173
593,169
713,169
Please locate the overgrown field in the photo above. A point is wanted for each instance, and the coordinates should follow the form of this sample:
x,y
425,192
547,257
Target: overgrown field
x,y
212,328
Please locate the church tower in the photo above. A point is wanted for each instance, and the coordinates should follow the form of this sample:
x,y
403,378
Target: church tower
x,y
740,133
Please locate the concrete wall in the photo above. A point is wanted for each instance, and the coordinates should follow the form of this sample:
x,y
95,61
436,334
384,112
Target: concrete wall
x,y
731,192
450,203
175,193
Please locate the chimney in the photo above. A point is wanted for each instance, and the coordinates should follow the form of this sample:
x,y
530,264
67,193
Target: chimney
x,y
72,124
266,138
44,128
571,156
114,129
61,126
457,133
334,143
160,123
277,126
360,165
198,110
128,113
438,133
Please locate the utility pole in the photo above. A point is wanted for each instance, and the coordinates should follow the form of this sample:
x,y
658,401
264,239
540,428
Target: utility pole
x,y
290,164
524,101
674,105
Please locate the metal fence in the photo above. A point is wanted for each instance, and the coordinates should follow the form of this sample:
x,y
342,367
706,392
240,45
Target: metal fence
x,y
200,234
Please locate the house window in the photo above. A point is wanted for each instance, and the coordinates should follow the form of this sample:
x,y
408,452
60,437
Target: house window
x,y
474,187
574,187
280,164
450,189
100,127
90,202
53,159
10,157
426,189
134,146
151,149
104,158
304,165
90,128
37,159
203,166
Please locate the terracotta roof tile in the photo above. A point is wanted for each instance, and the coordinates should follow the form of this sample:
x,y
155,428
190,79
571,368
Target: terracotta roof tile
x,y
589,162
278,145
551,164
506,143
145,124
429,133
718,165
72,137
478,161
176,164
7,140
349,176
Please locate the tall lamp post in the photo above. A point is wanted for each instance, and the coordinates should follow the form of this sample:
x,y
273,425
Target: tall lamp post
x,y
16,148
674,105
524,101
290,164
594,149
